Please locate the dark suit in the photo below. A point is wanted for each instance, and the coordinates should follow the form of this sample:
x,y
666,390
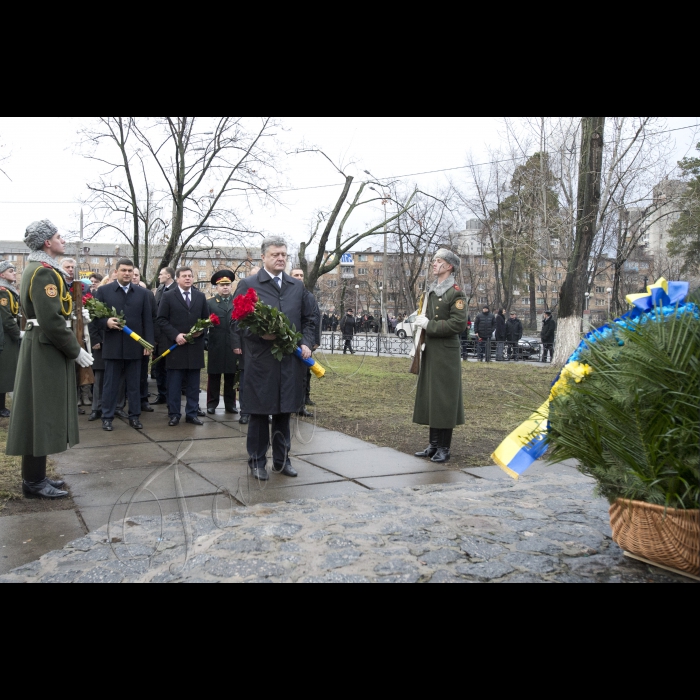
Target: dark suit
x,y
274,388
185,363
160,369
222,361
123,356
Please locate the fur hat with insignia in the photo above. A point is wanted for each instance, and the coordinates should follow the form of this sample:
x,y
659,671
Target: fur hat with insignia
x,y
449,257
223,277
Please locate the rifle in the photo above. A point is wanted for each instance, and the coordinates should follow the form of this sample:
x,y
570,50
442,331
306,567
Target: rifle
x,y
85,374
419,338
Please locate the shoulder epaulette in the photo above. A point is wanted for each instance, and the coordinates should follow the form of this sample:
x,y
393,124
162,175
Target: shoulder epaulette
x,y
47,266
457,288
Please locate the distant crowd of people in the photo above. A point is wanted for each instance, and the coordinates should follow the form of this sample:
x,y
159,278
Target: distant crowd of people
x,y
507,334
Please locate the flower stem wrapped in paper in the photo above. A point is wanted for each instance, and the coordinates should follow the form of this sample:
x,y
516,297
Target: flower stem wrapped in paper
x,y
249,312
199,327
97,309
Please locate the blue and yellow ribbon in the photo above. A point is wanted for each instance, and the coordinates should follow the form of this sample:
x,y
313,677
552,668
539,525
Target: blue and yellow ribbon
x,y
137,338
316,369
528,443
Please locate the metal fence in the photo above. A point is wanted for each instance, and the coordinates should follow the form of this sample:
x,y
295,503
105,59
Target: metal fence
x,y
393,346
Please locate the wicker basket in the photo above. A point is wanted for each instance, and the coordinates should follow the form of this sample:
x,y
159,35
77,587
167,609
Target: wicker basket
x,y
662,535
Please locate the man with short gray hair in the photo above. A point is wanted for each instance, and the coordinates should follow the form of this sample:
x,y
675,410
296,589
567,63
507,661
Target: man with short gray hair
x,y
274,388
68,265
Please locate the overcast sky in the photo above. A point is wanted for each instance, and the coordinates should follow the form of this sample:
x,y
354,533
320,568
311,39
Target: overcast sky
x,y
49,177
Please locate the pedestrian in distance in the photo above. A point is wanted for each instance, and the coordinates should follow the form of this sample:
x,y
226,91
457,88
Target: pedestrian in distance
x,y
548,335
9,320
44,417
123,357
274,388
439,397
500,335
348,327
222,362
484,327
179,311
514,333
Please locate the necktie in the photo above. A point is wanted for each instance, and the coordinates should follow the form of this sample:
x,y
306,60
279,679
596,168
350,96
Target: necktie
x,y
187,299
279,282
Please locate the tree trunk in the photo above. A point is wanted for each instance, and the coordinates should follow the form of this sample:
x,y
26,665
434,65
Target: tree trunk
x,y
573,292
533,300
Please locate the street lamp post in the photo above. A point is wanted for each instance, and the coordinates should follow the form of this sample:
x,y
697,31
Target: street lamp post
x,y
357,300
610,292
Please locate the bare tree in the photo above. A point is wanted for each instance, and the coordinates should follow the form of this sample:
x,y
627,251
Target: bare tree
x,y
3,157
329,236
198,164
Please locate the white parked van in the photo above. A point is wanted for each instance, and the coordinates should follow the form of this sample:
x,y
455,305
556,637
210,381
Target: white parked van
x,y
405,330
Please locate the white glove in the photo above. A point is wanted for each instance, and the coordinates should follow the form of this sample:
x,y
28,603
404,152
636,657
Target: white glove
x,y
21,334
422,322
86,316
85,359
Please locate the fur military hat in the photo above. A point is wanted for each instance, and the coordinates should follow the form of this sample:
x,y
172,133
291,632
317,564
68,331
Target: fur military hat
x,y
38,233
449,257
6,265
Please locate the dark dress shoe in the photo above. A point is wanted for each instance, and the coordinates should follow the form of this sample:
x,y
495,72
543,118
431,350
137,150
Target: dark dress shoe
x,y
211,411
135,424
201,413
122,414
4,413
43,489
244,420
107,426
287,470
174,422
442,456
81,412
146,408
232,411
305,414
194,421
260,473
95,415
160,401
56,484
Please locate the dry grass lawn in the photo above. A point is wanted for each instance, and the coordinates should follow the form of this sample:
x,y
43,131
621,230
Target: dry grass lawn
x,y
373,399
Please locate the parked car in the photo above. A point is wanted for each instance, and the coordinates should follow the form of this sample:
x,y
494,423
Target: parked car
x,y
405,330
530,349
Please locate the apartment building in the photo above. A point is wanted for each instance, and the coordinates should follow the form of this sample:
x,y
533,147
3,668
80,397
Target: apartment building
x,y
102,258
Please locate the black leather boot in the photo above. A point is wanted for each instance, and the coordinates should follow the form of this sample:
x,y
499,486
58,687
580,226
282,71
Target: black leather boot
x,y
444,446
432,450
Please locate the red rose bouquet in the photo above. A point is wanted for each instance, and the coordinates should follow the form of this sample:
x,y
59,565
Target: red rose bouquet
x,y
249,312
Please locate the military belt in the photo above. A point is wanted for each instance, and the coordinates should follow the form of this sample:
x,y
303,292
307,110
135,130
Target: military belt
x,y
35,324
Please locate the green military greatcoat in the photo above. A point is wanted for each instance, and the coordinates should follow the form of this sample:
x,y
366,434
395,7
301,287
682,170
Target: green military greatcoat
x,y
9,317
221,357
44,409
439,401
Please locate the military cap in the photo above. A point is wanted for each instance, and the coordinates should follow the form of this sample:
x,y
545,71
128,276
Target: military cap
x,y
6,265
38,233
223,277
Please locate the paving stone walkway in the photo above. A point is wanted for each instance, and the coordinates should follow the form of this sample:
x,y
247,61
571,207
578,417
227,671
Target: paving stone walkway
x,y
547,528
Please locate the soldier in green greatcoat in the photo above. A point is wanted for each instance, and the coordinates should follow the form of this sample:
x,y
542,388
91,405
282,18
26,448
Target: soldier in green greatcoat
x,y
439,401
9,320
44,412
222,361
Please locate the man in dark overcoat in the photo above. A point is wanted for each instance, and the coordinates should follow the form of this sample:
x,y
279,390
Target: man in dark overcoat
x,y
122,355
167,282
549,332
9,317
179,311
348,326
274,388
298,274
222,363
44,417
439,398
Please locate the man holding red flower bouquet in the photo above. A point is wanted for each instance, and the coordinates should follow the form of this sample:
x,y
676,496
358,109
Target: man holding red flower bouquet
x,y
274,386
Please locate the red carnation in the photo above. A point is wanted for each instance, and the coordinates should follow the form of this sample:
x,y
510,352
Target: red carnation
x,y
87,298
244,305
215,320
